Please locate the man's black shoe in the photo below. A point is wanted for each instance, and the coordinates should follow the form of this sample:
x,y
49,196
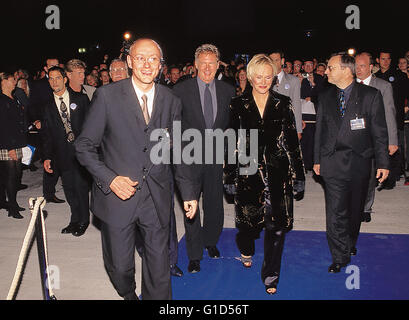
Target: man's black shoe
x,y
80,229
54,199
175,271
336,267
70,228
366,217
353,251
194,266
213,252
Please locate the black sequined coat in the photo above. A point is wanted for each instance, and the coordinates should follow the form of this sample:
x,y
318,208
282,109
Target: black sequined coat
x,y
279,161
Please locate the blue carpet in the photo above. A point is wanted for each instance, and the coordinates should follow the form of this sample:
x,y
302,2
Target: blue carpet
x,y
382,265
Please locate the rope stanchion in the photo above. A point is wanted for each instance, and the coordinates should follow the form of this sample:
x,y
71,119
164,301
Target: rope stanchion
x,y
36,206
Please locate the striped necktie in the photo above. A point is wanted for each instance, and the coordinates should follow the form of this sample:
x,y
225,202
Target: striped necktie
x,y
342,102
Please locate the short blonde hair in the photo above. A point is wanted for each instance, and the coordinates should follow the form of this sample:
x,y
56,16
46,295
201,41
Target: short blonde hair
x,y
257,61
75,64
207,48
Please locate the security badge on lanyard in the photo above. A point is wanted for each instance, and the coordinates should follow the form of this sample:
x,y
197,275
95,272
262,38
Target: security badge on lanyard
x,y
357,123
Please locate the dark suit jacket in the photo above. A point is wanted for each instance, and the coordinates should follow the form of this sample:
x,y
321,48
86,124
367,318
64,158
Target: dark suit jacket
x,y
40,95
12,124
54,137
115,126
192,114
334,137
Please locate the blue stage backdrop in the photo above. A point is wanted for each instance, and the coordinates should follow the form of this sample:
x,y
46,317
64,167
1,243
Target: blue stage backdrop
x,y
378,271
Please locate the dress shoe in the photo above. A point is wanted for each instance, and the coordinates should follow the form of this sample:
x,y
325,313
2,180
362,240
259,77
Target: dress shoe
x,y
70,228
15,214
353,251
131,296
213,252
22,187
366,217
336,267
175,271
54,199
80,230
194,266
4,205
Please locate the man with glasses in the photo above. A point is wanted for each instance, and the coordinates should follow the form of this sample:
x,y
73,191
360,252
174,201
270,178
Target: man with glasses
x,y
350,131
118,70
130,191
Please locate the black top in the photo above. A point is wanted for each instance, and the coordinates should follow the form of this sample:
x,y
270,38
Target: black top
x,y
13,131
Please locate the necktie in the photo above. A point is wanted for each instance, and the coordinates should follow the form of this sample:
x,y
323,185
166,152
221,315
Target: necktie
x,y
145,108
208,108
362,82
66,121
342,102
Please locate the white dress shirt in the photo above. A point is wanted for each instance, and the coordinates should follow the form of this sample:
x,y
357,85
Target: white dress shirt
x,y
150,95
366,81
280,76
66,99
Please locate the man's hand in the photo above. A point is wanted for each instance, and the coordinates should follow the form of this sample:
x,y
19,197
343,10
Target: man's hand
x,y
299,134
190,208
47,166
13,154
316,169
382,174
392,149
123,187
37,124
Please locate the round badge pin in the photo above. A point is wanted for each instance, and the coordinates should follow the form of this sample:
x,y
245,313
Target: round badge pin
x,y
391,79
287,86
73,106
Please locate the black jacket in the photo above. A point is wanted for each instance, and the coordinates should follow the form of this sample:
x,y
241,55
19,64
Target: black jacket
x,y
13,131
334,136
54,137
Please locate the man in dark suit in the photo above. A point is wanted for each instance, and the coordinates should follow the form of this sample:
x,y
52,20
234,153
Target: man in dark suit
x,y
131,191
41,94
364,66
205,103
63,119
350,131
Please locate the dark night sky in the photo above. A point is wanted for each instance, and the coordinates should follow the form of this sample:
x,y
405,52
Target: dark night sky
x,y
235,26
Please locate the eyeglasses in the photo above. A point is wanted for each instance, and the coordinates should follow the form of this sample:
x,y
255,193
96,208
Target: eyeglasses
x,y
330,68
141,60
118,69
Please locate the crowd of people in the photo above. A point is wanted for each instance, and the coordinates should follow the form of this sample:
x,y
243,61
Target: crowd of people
x,y
65,111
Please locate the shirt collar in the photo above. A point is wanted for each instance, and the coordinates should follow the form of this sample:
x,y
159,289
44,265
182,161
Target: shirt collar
x,y
140,93
202,84
280,75
366,81
65,95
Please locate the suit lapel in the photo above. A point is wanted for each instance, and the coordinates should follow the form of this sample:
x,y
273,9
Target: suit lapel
x,y
219,104
333,106
130,102
157,103
197,102
351,107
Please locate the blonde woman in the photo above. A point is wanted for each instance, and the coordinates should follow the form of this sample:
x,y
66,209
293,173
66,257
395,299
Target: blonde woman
x,y
264,199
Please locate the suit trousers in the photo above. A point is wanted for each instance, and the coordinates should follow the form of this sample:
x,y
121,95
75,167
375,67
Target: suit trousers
x,y
344,204
273,250
49,182
76,189
370,197
173,236
307,141
118,247
198,237
10,173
